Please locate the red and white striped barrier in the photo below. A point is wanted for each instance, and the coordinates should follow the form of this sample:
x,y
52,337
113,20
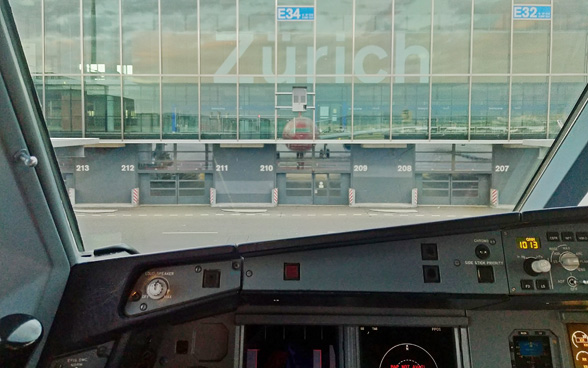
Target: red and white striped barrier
x,y
71,192
494,197
212,196
351,196
415,197
135,197
275,196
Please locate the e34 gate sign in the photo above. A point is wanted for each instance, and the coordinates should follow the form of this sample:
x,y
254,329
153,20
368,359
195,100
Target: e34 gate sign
x,y
295,13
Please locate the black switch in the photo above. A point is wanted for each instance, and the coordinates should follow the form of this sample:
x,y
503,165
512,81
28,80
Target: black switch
x,y
211,279
431,274
552,236
567,236
485,274
527,285
542,284
429,252
182,347
582,236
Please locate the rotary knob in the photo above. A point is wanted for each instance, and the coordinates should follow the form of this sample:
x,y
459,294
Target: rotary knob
x,y
569,261
157,288
535,267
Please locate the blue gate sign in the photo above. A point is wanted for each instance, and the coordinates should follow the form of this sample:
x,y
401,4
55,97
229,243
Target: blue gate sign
x,y
531,12
295,13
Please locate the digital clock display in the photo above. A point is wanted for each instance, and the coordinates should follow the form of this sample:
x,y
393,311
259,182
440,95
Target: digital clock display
x,y
529,243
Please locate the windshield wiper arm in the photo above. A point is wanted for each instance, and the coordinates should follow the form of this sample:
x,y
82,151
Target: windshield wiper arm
x,y
115,248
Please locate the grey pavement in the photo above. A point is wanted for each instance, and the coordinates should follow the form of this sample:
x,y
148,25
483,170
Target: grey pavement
x,y
161,228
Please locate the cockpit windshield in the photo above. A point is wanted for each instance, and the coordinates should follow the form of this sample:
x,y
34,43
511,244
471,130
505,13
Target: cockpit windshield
x,y
190,123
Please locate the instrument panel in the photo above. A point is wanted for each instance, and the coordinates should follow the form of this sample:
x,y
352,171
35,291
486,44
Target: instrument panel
x,y
500,291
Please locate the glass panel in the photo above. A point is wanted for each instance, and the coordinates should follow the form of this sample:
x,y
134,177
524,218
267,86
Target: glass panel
x,y
191,184
218,22
140,37
163,185
63,106
219,108
531,46
27,16
569,37
435,184
256,37
38,81
62,36
334,35
410,110
103,110
101,36
141,107
256,115
295,49
303,129
372,110
449,111
491,36
179,37
435,193
564,94
333,108
191,192
373,38
180,107
529,107
293,180
412,35
489,108
451,36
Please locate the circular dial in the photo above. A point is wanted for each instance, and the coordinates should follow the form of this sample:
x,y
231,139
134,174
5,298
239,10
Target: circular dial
x,y
157,288
535,266
541,266
569,261
407,354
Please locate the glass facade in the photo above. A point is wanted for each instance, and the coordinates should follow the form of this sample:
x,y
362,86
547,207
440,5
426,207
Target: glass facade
x,y
374,70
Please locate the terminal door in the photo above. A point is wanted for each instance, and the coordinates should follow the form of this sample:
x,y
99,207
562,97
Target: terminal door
x,y
454,189
175,188
313,188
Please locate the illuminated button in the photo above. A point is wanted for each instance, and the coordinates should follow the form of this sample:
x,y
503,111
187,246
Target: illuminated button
x,y
527,285
291,271
542,284
567,236
552,236
582,236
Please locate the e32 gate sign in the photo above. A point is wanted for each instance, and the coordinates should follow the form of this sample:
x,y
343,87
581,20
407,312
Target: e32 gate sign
x,y
531,12
295,13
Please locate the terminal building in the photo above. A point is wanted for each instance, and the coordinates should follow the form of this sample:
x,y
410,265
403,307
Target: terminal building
x,y
328,102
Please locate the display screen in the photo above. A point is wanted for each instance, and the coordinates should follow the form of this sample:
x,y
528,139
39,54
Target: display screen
x,y
401,347
578,339
529,243
291,346
532,352
531,348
